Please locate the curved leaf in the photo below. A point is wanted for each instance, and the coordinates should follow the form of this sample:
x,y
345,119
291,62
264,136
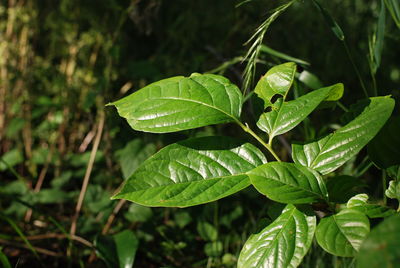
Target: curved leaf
x,y
393,191
360,202
192,172
381,247
332,151
277,80
180,103
289,114
281,244
288,183
342,234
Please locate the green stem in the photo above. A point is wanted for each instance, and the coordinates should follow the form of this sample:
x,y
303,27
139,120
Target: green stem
x,y
384,187
267,146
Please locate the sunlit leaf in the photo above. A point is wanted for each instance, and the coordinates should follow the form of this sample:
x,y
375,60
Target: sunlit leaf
x,y
281,244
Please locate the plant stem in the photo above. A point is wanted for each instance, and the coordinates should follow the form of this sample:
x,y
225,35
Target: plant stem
x,y
267,146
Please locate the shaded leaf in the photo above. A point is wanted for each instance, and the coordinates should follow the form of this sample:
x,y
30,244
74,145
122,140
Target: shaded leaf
x,y
207,231
192,172
118,250
330,21
341,188
332,151
180,103
381,247
342,234
288,183
281,244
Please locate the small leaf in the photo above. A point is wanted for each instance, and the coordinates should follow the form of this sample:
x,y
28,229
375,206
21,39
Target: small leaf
x,y
289,114
277,80
360,203
281,244
213,249
118,250
381,247
288,183
192,172
342,234
393,191
329,153
207,231
180,103
358,200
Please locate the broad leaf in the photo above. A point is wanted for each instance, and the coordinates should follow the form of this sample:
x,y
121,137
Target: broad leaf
x,y
192,172
281,244
332,151
288,183
118,250
180,103
277,80
381,247
342,188
342,234
289,114
360,203
384,149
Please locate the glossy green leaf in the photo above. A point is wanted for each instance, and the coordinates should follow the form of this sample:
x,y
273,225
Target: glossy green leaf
x,y
384,149
192,172
288,183
281,244
332,151
180,103
277,80
381,247
342,188
342,234
360,202
118,250
393,191
289,114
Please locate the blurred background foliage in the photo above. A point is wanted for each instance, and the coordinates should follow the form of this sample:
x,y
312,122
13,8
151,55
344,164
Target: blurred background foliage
x,y
62,61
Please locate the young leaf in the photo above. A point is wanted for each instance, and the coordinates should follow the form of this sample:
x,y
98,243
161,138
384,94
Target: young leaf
x,y
360,203
192,172
289,114
281,244
332,151
393,191
288,183
342,234
381,247
180,103
277,80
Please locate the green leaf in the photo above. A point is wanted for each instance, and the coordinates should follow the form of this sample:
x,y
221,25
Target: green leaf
x,y
192,172
5,263
329,153
381,247
394,8
213,249
360,203
138,213
180,103
341,188
281,244
273,52
384,149
277,80
207,231
134,154
288,183
342,234
330,21
10,159
393,191
288,115
118,250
